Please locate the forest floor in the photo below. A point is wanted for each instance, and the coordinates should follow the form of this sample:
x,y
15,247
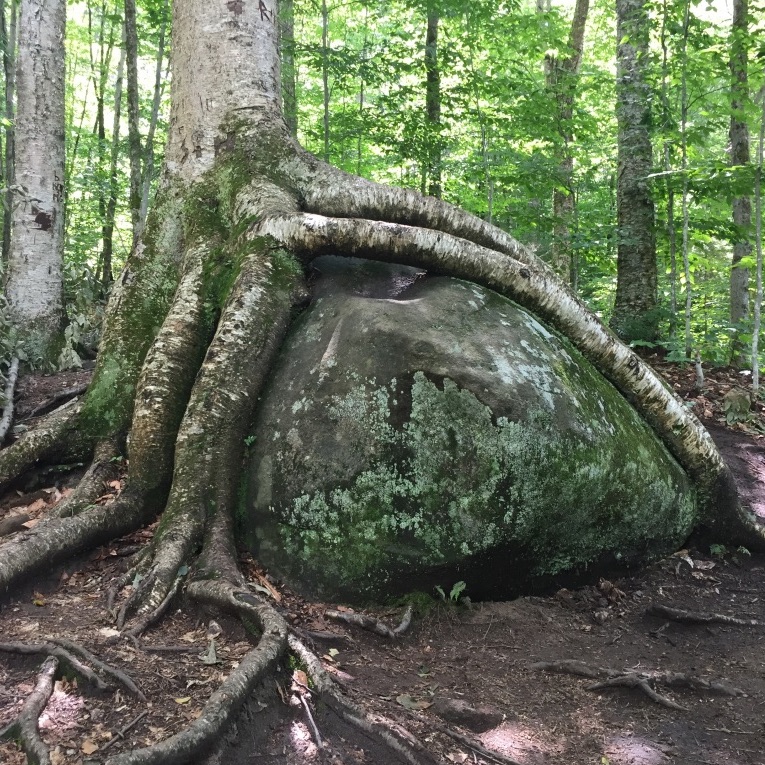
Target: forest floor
x,y
462,672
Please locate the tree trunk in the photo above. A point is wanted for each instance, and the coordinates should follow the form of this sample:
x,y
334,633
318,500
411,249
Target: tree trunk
x,y
34,284
561,80
289,71
433,102
134,135
107,232
739,157
635,315
9,33
147,176
196,319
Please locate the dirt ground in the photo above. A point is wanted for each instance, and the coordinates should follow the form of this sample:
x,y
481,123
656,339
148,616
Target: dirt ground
x,y
462,670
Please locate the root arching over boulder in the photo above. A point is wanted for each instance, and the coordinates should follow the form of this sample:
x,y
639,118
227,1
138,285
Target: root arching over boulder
x,y
194,324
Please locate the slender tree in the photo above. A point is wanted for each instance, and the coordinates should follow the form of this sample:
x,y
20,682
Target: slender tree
x,y
134,135
34,286
739,156
634,316
9,34
433,102
561,79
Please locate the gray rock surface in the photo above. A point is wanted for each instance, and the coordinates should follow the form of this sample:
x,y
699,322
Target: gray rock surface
x,y
420,430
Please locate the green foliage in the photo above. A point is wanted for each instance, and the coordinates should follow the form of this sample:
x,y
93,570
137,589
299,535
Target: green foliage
x,y
454,594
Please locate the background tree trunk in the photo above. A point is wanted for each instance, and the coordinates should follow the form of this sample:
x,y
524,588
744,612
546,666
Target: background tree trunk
x,y
634,316
134,134
34,284
433,102
561,79
9,65
740,156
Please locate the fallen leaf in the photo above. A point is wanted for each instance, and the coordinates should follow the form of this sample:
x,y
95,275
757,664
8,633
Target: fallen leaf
x,y
108,632
409,703
184,700
38,599
88,746
31,523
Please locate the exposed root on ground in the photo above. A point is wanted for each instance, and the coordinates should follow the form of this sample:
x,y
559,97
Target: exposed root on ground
x,y
699,617
40,443
627,678
71,656
10,387
92,485
396,738
25,726
371,623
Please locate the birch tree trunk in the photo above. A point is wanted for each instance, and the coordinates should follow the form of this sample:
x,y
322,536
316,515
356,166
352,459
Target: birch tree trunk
x,y
9,33
634,316
34,283
740,156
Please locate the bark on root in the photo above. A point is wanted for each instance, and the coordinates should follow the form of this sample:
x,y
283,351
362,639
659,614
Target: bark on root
x,y
643,681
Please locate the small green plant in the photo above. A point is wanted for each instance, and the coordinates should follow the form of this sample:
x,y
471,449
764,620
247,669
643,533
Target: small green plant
x,y
249,441
454,594
717,550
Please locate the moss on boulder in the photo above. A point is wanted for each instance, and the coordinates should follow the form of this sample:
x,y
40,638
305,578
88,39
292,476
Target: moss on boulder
x,y
418,430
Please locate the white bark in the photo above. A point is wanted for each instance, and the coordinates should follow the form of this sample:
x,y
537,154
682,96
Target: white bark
x,y
34,284
225,62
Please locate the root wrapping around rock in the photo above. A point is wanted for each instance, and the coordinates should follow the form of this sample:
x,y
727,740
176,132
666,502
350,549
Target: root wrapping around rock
x,y
69,654
699,617
25,727
398,740
225,703
643,681
371,623
10,387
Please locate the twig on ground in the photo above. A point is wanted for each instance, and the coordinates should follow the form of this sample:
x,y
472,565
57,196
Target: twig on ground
x,y
470,743
311,721
698,617
628,678
25,727
10,386
371,623
120,734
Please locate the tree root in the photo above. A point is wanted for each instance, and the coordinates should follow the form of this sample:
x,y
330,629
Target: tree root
x,y
35,445
224,704
64,395
91,485
67,652
699,617
10,387
25,726
372,624
397,739
641,680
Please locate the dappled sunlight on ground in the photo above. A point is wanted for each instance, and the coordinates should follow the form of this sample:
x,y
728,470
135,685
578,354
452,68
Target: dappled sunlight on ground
x,y
522,743
633,750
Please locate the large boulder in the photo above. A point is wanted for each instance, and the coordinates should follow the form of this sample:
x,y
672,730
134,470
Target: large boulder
x,y
418,430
